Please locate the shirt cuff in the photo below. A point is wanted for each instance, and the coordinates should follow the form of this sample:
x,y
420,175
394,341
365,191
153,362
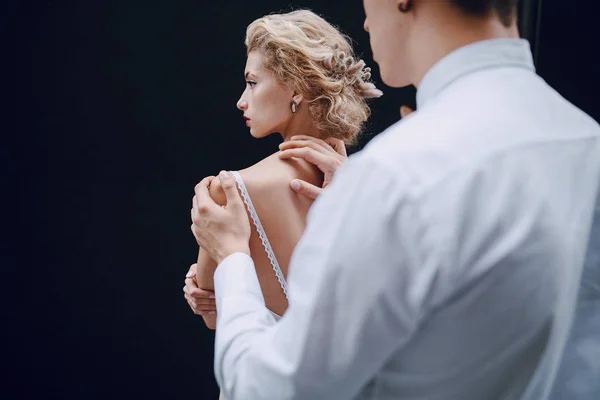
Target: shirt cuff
x,y
236,275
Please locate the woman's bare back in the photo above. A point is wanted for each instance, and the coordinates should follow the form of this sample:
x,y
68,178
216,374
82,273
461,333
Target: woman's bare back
x,y
282,213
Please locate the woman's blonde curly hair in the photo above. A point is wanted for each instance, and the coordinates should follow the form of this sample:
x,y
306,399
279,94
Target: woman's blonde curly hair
x,y
311,57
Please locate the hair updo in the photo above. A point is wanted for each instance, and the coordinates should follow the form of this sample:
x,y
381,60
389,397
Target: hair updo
x,y
311,57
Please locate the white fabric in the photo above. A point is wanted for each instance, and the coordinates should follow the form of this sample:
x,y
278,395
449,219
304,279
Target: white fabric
x,y
261,232
442,262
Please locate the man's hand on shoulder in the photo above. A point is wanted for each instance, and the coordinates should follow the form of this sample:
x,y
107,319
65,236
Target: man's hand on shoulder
x,y
220,229
216,192
328,155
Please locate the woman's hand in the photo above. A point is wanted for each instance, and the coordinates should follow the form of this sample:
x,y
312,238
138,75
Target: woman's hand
x,y
328,155
405,110
202,302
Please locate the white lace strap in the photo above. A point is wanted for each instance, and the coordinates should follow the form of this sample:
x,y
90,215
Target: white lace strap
x,y
261,232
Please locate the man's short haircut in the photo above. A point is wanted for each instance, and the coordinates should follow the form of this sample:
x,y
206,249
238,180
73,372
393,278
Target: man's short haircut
x,y
505,10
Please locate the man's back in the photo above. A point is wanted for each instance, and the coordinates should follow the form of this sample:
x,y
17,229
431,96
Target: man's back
x,y
502,173
443,261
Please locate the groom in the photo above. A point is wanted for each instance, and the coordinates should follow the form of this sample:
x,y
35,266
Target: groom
x,y
443,261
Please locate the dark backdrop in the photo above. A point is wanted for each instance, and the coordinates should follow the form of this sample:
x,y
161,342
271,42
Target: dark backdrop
x,y
115,110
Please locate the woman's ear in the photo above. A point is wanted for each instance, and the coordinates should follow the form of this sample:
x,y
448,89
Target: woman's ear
x,y
297,98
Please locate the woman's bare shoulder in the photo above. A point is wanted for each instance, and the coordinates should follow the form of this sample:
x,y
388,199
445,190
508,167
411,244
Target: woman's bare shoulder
x,y
262,177
271,177
273,172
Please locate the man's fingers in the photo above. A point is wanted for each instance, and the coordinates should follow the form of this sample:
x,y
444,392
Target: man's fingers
x,y
207,181
328,144
312,139
405,110
338,145
204,183
305,188
306,153
229,186
295,144
317,143
202,202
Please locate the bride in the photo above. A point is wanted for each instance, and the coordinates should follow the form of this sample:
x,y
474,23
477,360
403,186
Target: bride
x,y
303,82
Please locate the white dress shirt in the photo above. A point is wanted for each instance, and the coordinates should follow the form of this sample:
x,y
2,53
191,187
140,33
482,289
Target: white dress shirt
x,y
442,262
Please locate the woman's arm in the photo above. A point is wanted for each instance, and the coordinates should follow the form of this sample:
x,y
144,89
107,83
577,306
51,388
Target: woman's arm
x,y
204,280
206,266
202,302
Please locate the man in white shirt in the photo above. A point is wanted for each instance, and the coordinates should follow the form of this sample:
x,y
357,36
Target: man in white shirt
x,y
443,261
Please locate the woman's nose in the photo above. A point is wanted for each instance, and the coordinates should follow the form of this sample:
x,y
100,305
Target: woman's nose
x,y
242,104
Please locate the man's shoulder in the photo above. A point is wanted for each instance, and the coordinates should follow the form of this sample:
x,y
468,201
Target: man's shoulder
x,y
419,147
450,134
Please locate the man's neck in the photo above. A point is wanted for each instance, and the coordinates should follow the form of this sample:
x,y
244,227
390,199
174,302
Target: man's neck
x,y
433,41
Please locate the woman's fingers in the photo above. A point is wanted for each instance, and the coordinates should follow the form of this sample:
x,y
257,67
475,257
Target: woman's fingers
x,y
405,110
202,302
199,307
202,294
199,294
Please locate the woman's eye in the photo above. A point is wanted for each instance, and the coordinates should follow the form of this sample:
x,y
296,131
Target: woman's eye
x,y
251,83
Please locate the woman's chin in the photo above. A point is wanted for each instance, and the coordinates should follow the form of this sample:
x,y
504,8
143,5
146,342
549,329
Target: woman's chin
x,y
256,133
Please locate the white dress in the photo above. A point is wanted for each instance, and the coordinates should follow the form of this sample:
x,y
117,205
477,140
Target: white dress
x,y
263,239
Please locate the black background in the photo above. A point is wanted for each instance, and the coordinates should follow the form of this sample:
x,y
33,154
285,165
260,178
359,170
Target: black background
x,y
113,112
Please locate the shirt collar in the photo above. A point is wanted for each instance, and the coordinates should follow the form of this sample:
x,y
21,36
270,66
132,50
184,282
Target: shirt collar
x,y
474,57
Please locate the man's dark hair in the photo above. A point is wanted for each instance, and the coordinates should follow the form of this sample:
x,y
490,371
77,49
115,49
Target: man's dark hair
x,y
505,10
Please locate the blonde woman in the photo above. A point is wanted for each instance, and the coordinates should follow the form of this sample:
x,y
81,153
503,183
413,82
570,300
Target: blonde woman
x,y
303,82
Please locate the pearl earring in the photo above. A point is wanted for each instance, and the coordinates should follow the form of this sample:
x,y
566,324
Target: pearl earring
x,y
294,107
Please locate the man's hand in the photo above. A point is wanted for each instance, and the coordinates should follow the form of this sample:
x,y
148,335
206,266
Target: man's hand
x,y
202,302
220,230
328,155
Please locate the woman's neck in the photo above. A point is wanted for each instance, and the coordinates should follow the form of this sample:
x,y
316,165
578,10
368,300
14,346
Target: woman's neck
x,y
300,125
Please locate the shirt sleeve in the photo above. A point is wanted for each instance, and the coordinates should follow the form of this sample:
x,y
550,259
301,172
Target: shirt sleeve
x,y
354,296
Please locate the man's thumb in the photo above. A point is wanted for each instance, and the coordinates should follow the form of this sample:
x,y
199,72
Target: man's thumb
x,y
305,188
229,187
